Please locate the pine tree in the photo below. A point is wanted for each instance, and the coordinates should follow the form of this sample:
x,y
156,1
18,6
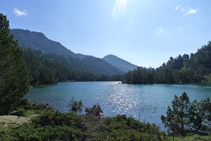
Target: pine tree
x,y
186,117
177,117
14,79
200,115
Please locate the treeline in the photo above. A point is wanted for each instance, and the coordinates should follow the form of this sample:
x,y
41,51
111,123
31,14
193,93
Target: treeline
x,y
195,68
51,68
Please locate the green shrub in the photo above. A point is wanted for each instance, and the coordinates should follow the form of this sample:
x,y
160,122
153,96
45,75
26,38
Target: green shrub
x,y
48,126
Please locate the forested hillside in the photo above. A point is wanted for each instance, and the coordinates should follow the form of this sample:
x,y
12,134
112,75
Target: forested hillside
x,y
77,62
50,69
195,68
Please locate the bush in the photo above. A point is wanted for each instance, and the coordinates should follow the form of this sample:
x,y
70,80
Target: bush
x,y
75,106
95,110
48,126
70,126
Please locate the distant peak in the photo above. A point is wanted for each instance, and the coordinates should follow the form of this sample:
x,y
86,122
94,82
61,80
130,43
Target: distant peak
x,y
120,63
110,55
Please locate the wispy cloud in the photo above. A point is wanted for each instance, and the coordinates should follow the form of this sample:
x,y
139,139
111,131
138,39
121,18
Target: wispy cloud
x,y
18,12
178,7
191,11
119,8
185,10
160,30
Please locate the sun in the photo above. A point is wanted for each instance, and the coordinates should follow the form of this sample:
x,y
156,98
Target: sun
x,y
119,7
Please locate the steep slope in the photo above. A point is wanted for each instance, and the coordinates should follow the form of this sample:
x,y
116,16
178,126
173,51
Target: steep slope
x,y
38,41
51,68
119,63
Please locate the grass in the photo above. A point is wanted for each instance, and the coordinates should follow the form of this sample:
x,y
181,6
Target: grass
x,y
1,125
28,113
9,121
191,138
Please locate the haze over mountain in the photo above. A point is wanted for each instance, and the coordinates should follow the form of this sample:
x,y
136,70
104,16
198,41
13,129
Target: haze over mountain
x,y
38,41
119,63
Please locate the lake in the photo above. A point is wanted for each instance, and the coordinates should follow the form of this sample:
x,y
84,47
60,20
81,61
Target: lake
x,y
148,101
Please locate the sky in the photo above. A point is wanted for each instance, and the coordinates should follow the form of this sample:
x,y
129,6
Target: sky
x,y
144,32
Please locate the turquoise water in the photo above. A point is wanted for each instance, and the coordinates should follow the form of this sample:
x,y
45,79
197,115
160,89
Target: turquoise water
x,y
148,101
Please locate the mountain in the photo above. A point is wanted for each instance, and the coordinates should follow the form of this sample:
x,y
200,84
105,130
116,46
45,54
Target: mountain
x,y
38,41
101,65
119,63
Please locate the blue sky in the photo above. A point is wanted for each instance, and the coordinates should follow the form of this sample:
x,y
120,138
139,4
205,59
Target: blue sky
x,y
144,32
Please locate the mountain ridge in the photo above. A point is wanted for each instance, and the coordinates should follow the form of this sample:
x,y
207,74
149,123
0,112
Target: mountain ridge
x,y
30,41
38,41
108,65
119,63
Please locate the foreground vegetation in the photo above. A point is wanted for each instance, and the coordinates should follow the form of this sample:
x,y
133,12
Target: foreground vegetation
x,y
53,125
47,124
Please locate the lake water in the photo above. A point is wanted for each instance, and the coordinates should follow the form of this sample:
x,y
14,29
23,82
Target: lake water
x,y
148,101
